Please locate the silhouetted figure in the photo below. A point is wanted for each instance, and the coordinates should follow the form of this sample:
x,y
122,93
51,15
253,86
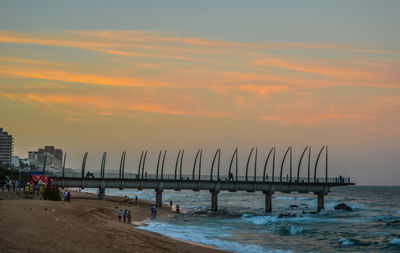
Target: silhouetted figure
x,y
129,217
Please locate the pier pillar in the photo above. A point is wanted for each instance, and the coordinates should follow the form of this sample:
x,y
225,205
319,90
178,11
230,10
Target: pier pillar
x,y
102,193
320,201
268,202
214,201
159,198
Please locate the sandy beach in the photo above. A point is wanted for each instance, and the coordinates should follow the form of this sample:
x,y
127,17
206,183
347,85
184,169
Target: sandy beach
x,y
83,225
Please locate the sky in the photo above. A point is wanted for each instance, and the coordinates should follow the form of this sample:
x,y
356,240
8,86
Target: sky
x,y
95,76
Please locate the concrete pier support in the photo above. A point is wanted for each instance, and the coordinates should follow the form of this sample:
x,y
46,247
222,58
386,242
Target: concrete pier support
x,y
159,198
214,201
102,193
268,202
320,201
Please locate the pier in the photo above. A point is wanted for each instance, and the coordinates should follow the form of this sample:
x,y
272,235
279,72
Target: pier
x,y
213,182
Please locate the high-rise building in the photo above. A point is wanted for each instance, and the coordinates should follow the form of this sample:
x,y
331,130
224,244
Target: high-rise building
x,y
50,154
6,147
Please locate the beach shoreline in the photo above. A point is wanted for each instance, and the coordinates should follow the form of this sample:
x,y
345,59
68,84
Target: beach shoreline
x,y
84,225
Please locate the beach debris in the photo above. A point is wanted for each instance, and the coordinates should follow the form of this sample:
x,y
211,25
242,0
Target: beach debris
x,y
45,209
53,210
57,219
343,206
30,208
289,215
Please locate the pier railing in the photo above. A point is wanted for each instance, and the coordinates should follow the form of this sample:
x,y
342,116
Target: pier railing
x,y
187,177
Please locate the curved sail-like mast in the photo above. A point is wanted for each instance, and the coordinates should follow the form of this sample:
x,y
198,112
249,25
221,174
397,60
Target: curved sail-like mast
x,y
201,155
316,164
140,165
103,165
180,166
266,163
158,164
255,166
144,162
83,164
298,168
283,162
176,164
235,154
217,153
162,165
194,164
248,161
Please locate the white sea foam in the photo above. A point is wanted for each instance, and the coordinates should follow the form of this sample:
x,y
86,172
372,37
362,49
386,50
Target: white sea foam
x,y
284,198
294,230
259,220
395,241
204,235
346,242
303,198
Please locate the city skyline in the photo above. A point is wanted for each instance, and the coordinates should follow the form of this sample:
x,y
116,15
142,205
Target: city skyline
x,y
205,75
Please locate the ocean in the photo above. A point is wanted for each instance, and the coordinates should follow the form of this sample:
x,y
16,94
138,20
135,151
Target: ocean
x,y
240,225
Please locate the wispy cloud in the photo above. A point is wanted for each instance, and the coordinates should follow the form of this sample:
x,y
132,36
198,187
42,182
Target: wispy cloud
x,y
161,73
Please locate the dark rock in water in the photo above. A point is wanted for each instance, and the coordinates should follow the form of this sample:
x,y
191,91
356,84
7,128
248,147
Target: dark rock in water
x,y
343,206
309,212
286,215
393,222
293,206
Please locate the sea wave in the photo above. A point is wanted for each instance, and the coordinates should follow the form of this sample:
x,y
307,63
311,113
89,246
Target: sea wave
x,y
346,242
284,229
395,241
258,220
205,236
284,198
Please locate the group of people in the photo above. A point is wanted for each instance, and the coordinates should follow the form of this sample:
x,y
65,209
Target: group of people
x,y
67,196
11,184
126,214
177,210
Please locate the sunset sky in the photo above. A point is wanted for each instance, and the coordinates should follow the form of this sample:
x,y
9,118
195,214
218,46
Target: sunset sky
x,y
124,75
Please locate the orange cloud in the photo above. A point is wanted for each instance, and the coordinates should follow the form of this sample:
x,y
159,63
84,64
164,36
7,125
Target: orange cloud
x,y
58,75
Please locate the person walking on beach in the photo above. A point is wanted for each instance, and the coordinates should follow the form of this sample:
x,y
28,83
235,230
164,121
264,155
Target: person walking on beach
x,y
177,209
170,204
119,215
136,199
154,211
65,196
129,216
125,213
69,197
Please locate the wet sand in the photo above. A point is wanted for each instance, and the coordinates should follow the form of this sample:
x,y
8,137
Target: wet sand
x,y
83,225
